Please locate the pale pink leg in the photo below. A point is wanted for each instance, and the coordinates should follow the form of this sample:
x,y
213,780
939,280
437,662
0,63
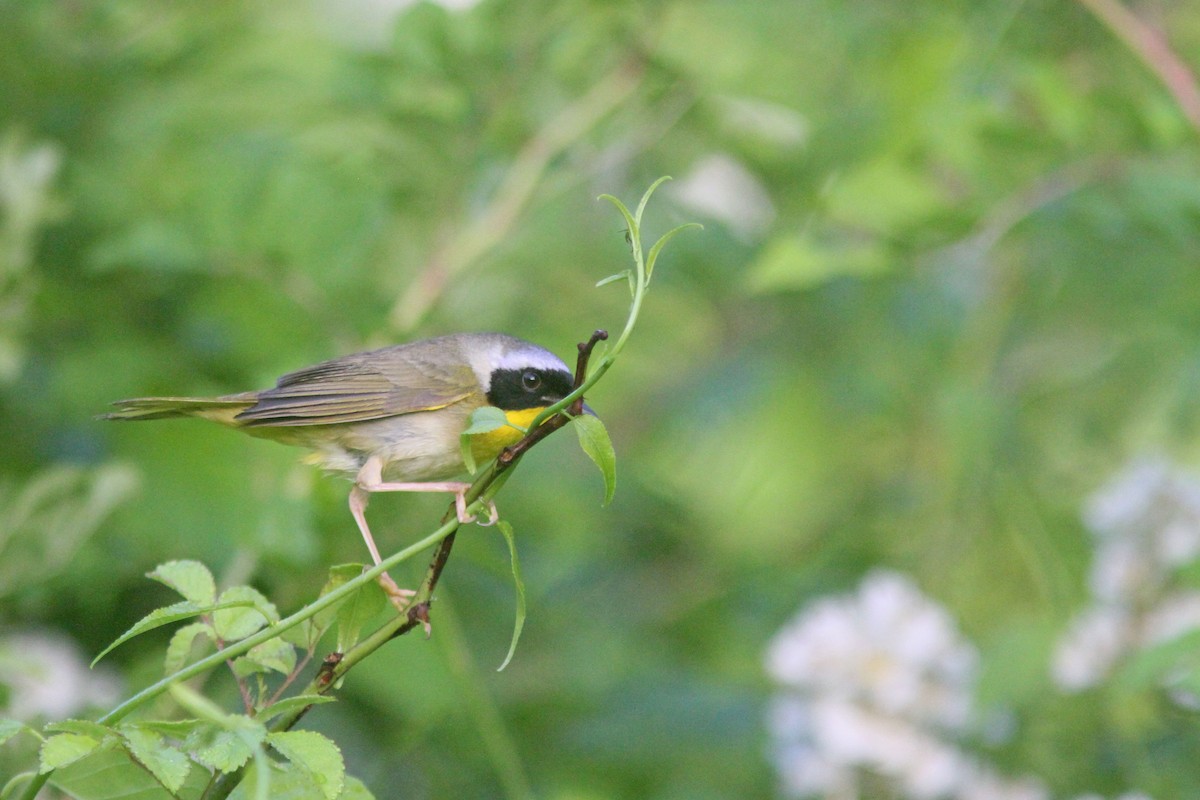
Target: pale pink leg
x,y
370,479
358,505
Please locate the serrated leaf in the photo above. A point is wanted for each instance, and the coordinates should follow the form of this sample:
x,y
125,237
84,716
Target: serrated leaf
x,y
290,704
178,729
272,655
507,531
253,614
10,728
289,782
184,609
64,748
190,578
314,754
593,438
657,247
83,727
164,761
356,611
110,774
181,642
228,746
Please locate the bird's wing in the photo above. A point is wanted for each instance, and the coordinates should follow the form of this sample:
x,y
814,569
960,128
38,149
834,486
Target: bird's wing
x,y
358,388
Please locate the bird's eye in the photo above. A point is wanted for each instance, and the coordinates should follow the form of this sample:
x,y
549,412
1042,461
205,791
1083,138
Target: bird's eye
x,y
531,380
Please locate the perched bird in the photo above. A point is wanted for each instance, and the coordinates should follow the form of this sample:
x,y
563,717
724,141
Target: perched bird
x,y
391,418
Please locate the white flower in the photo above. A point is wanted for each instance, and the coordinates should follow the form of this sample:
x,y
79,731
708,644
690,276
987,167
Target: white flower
x,y
1091,646
887,646
872,684
47,677
719,187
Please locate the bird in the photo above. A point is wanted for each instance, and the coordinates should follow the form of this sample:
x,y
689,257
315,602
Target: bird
x,y
391,419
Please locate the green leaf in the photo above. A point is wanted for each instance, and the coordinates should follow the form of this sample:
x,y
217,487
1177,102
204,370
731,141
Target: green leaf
x,y
646,198
657,247
273,654
185,609
468,455
226,749
181,645
190,578
164,761
635,240
356,611
289,782
486,419
65,748
507,531
309,633
83,727
314,754
290,704
623,275
593,438
110,774
10,728
252,613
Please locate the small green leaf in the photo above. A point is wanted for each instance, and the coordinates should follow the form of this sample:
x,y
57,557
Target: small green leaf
x,y
356,611
273,654
252,613
593,438
65,748
181,645
657,247
623,275
468,455
507,531
228,745
176,728
646,198
83,727
190,578
290,704
486,419
184,609
633,235
316,755
166,763
10,728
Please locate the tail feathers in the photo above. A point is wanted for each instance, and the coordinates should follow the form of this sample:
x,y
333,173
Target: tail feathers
x,y
218,409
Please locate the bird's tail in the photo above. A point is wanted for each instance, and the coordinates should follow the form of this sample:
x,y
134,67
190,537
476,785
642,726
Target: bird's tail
x,y
217,409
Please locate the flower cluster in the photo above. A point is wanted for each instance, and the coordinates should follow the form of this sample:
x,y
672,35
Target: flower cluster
x,y
879,685
1146,524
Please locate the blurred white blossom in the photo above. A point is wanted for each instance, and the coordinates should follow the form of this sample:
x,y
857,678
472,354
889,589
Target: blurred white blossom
x,y
1146,524
879,683
719,187
46,676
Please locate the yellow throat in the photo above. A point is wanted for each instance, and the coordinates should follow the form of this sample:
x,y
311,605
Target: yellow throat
x,y
486,446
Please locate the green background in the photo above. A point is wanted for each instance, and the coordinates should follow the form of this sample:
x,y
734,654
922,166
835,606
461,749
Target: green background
x,y
971,293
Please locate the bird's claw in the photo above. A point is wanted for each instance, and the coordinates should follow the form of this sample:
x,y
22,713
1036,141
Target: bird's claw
x,y
460,503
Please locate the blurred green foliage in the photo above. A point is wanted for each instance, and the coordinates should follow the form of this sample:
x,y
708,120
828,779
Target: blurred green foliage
x,y
956,287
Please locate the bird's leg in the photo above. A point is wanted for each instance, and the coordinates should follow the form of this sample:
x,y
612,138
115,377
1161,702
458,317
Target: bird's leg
x,y
370,479
358,505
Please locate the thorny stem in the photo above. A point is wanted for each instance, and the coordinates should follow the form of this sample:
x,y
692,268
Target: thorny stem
x,y
335,666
